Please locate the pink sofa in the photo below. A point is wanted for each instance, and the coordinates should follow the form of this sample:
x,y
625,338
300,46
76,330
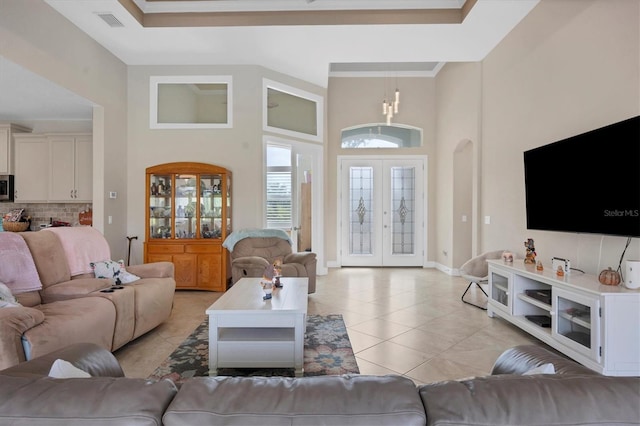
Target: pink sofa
x,y
73,308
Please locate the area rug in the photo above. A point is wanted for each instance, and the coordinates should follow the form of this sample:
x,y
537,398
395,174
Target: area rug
x,y
327,351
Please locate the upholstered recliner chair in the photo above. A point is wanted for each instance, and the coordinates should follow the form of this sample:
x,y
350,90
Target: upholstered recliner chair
x,y
252,251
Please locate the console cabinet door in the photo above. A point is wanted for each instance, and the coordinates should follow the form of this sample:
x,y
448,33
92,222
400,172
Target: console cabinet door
x,y
576,322
210,272
500,290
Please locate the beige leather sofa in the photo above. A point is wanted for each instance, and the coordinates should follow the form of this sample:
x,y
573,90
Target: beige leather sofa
x,y
572,396
71,309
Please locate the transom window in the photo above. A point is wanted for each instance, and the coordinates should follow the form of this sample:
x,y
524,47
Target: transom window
x,y
381,136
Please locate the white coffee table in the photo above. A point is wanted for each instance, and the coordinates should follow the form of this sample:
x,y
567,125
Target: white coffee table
x,y
246,331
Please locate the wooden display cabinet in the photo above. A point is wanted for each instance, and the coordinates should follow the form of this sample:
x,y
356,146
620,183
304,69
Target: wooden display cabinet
x,y
188,217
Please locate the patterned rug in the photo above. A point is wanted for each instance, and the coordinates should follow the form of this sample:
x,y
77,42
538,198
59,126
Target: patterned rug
x,y
327,351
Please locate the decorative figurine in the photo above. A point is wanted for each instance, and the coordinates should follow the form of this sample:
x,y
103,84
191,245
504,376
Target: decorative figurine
x,y
609,277
530,256
560,271
539,266
269,273
277,270
507,256
267,287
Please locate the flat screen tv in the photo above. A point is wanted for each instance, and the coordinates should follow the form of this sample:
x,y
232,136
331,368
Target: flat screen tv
x,y
588,183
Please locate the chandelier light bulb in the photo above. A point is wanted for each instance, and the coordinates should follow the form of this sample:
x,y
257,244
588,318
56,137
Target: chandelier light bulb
x,y
395,107
384,107
397,100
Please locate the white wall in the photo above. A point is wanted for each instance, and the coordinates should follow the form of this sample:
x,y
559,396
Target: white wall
x,y
569,67
39,39
238,149
459,94
354,101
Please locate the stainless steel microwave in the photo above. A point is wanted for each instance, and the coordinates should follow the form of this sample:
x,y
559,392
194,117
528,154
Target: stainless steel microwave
x,y
6,187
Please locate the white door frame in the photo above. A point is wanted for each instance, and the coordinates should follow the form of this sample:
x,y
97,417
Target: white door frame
x,y
421,232
317,194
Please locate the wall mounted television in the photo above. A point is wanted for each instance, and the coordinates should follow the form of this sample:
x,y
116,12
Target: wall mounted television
x,y
588,183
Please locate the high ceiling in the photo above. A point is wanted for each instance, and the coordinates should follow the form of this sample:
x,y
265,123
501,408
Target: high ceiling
x,y
307,39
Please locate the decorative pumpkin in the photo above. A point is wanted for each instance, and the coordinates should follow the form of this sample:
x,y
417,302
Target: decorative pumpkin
x,y
609,277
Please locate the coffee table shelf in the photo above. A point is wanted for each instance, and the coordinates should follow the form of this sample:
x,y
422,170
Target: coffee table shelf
x,y
255,335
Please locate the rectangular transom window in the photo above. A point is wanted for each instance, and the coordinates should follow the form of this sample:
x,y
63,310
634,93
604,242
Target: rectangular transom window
x,y
190,102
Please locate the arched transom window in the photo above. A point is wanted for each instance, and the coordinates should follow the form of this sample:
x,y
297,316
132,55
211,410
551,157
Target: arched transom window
x,y
381,136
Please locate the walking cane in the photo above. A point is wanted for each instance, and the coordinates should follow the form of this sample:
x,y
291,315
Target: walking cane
x,y
129,254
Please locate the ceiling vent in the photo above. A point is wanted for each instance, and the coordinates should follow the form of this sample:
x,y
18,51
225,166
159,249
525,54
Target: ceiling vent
x,y
110,19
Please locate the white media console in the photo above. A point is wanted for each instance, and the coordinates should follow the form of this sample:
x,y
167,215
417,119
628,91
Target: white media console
x,y
596,325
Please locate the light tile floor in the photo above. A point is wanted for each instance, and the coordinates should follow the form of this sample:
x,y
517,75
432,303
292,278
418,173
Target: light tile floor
x,y
407,321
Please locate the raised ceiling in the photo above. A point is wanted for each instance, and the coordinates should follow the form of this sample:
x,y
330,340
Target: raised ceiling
x,y
301,38
307,39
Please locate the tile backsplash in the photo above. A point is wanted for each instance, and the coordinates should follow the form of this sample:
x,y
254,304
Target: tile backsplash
x,y
42,213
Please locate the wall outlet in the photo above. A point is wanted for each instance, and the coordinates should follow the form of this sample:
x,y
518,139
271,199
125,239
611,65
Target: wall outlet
x,y
564,263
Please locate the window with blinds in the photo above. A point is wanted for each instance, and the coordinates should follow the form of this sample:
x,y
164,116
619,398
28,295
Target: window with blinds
x,y
279,203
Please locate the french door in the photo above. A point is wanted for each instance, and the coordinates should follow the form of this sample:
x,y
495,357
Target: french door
x,y
382,211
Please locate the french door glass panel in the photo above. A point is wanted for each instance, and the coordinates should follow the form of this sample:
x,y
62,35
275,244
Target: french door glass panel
x,y
403,198
361,211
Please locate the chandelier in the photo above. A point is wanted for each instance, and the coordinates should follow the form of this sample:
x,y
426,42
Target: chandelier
x,y
389,109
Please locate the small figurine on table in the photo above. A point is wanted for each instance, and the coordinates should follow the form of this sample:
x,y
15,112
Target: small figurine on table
x,y
530,256
267,287
277,272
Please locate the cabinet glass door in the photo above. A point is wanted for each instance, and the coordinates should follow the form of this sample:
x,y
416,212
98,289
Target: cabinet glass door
x,y
160,206
186,206
211,206
227,188
499,289
577,322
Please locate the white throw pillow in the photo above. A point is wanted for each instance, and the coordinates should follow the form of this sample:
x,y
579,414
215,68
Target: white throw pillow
x,y
115,271
6,298
541,369
62,369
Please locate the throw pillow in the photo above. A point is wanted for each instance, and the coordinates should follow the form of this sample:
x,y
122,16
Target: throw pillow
x,y
114,271
61,369
541,369
6,298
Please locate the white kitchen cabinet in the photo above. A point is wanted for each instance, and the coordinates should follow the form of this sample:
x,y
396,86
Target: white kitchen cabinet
x,y
53,168
31,168
71,168
596,325
7,146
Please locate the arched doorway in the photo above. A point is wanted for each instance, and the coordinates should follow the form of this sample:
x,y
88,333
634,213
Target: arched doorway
x,y
463,209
